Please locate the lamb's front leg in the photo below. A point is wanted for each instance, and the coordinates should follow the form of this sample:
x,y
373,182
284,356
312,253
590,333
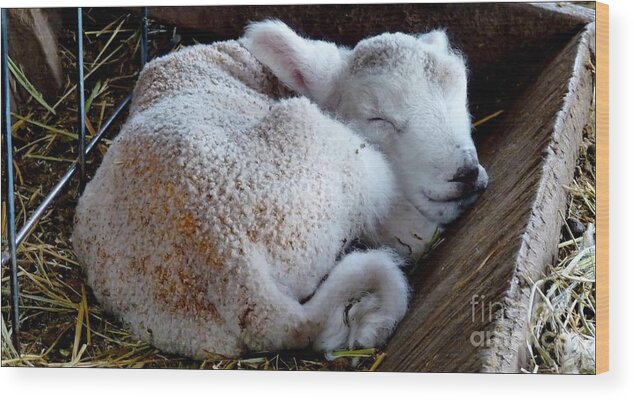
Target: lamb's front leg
x,y
360,303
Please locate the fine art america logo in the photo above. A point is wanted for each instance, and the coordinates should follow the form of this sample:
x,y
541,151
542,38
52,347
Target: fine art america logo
x,y
483,313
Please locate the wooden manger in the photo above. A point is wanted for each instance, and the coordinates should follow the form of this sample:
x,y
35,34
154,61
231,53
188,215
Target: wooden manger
x,y
534,64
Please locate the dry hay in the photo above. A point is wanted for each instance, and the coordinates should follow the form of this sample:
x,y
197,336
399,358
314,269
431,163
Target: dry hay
x,y
562,316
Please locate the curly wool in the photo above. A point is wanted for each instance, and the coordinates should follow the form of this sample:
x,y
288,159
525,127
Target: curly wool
x,y
219,201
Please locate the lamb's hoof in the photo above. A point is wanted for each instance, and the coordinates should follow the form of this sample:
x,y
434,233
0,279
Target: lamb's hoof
x,y
369,325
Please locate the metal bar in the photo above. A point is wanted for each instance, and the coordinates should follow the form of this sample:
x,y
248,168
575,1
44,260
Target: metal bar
x,y
6,115
144,43
9,257
39,212
81,112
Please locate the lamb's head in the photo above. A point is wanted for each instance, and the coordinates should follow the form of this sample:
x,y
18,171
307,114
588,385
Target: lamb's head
x,y
406,94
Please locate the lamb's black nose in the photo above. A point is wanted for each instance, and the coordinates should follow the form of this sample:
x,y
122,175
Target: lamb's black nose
x,y
467,174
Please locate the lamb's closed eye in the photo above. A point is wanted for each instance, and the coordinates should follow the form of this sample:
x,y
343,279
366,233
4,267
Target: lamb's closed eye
x,y
383,124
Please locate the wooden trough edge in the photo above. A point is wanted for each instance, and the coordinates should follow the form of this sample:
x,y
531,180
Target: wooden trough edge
x,y
538,244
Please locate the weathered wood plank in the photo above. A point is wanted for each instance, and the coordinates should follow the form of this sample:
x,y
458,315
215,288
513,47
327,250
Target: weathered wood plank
x,y
35,48
484,31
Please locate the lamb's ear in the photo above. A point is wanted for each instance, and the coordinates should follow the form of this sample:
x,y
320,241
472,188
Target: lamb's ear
x,y
308,67
436,38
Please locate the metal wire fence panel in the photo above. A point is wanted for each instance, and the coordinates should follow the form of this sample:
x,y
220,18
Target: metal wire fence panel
x,y
6,126
15,238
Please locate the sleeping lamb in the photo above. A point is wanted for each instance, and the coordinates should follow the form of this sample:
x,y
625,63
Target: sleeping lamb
x,y
220,219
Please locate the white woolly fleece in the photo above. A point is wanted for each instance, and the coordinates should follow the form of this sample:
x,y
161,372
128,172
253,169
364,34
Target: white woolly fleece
x,y
219,207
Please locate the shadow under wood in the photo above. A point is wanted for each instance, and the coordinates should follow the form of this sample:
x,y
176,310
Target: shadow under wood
x,y
469,308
